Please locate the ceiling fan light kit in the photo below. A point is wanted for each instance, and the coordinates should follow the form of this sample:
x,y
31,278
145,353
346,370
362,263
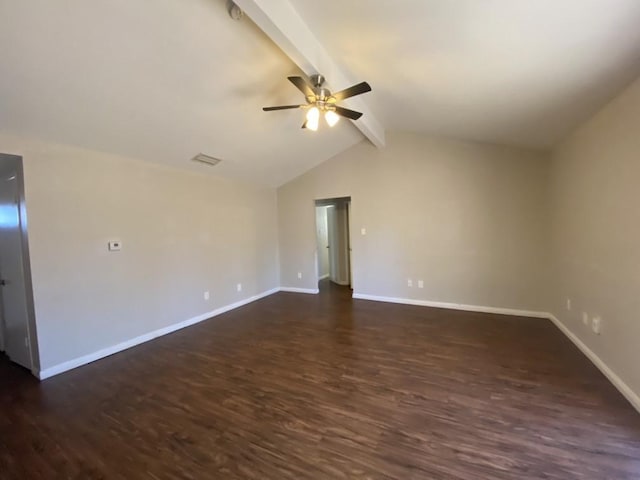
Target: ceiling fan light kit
x,y
320,100
313,115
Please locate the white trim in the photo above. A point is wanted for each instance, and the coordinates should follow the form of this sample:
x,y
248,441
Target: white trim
x,y
105,352
453,306
323,277
312,291
617,382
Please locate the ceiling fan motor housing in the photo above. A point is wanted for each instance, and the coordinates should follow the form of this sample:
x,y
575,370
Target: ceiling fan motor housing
x,y
321,94
319,98
317,80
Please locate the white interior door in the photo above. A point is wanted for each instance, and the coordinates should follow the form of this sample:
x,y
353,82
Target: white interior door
x,y
342,246
12,276
334,242
337,223
322,240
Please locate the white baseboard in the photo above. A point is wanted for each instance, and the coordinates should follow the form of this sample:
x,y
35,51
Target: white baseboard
x,y
105,352
623,388
453,306
299,290
323,277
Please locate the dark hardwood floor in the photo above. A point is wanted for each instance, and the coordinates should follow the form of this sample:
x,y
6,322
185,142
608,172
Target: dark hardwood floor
x,y
324,387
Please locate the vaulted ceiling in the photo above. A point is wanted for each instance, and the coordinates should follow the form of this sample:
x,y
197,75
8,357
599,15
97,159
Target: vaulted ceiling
x,y
164,80
521,72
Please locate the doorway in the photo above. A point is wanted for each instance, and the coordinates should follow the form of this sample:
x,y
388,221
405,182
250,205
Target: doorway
x,y
333,238
17,332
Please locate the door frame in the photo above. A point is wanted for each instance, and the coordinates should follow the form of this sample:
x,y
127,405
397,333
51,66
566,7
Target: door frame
x,y
349,244
345,202
17,165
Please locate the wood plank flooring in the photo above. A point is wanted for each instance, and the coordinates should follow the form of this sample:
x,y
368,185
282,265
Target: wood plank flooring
x,y
325,387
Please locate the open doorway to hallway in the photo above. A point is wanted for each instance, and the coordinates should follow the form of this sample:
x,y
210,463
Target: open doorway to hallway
x,y
333,238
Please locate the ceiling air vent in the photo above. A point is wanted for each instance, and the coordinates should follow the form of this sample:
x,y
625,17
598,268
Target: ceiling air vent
x,y
202,158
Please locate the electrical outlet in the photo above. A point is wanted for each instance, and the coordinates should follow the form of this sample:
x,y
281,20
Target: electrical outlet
x,y
420,283
299,274
568,304
363,231
239,287
206,295
585,318
596,325
409,283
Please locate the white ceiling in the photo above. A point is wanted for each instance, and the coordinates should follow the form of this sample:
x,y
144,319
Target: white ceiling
x,y
160,81
519,72
164,80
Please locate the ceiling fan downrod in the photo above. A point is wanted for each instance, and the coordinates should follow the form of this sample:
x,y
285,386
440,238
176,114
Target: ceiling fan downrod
x,y
322,94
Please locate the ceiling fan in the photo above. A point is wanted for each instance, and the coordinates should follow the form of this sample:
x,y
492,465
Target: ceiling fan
x,y
321,100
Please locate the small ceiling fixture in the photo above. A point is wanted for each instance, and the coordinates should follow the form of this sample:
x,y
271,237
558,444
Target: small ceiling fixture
x,y
206,159
321,100
234,10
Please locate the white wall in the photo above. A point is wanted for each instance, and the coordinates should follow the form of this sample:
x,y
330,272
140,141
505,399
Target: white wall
x,y
469,219
595,200
182,233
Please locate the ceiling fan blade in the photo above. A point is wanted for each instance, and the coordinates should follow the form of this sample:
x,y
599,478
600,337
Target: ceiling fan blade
x,y
352,91
302,85
345,112
281,107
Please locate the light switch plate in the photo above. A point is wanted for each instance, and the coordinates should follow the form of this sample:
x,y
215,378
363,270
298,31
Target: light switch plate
x,y
115,246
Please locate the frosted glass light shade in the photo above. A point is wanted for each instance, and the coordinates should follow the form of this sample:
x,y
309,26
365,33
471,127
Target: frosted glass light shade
x,y
313,115
331,117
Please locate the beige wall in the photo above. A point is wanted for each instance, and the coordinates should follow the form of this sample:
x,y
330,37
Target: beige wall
x,y
468,219
596,233
182,234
